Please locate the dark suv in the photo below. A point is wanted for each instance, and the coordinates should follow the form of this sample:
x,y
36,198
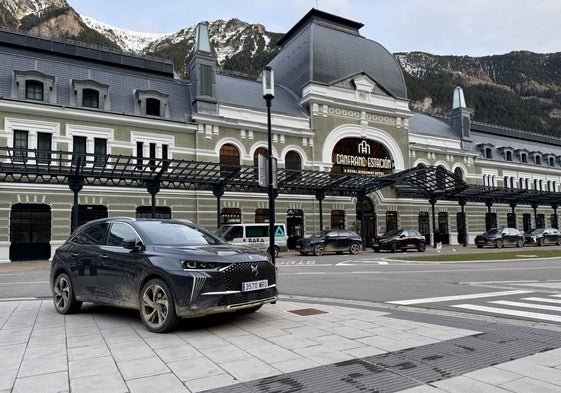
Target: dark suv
x,y
498,238
400,239
542,236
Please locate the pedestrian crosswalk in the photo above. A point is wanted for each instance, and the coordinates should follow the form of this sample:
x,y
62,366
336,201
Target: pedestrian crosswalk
x,y
542,307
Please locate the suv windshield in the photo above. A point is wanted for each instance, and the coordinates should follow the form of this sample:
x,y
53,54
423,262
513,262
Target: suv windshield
x,y
177,234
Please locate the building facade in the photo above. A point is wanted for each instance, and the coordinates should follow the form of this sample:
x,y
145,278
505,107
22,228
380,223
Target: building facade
x,y
340,106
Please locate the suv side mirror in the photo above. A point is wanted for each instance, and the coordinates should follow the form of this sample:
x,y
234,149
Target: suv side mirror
x,y
131,244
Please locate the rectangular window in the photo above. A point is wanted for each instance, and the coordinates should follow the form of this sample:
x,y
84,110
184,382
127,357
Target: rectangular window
x,y
153,107
164,152
139,154
100,151
44,147
206,80
152,162
79,149
20,145
34,90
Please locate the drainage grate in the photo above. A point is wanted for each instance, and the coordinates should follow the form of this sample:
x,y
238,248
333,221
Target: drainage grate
x,y
399,370
308,311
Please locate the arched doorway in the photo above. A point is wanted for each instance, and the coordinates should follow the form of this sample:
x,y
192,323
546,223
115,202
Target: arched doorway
x,y
369,218
30,232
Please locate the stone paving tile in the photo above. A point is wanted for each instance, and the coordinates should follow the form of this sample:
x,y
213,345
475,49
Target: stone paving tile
x,y
44,351
91,366
167,383
139,368
45,383
527,384
88,352
249,369
493,375
100,383
7,379
212,382
44,365
272,353
543,373
195,368
223,353
179,352
290,341
323,355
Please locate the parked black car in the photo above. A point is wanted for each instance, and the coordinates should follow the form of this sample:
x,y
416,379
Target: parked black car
x,y
498,238
167,269
542,236
335,240
400,239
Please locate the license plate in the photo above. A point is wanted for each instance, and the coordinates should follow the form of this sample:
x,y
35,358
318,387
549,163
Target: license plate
x,y
254,285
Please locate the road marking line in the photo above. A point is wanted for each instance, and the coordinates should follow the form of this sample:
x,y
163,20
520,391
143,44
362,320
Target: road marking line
x,y
506,311
527,305
542,299
23,282
457,297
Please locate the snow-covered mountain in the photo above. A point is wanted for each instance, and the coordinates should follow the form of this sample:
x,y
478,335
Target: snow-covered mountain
x,y
128,40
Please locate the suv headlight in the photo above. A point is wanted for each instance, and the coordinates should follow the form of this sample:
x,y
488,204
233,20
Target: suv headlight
x,y
197,265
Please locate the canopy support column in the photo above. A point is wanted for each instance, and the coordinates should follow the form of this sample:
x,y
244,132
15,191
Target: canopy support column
x,y
361,197
153,187
535,207
462,203
218,191
432,201
320,196
488,221
75,183
555,223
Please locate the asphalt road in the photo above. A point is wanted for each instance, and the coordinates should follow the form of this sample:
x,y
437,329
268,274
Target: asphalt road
x,y
377,278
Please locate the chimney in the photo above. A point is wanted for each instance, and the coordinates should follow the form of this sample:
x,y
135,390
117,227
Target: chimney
x,y
460,120
202,67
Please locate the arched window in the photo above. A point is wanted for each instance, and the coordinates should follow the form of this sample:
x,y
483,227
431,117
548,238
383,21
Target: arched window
x,y
229,160
293,161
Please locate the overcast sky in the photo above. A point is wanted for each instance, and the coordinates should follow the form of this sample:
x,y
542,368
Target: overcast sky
x,y
441,27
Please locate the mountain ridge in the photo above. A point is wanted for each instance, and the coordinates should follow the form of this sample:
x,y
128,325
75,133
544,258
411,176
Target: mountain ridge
x,y
520,89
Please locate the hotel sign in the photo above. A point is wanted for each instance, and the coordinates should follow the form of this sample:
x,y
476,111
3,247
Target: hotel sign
x,y
353,155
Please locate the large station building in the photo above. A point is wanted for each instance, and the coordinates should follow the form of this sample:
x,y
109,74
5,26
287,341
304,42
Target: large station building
x,y
87,132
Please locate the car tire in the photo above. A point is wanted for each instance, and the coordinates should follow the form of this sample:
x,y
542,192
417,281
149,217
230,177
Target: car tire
x,y
277,252
63,295
499,244
422,247
319,250
393,247
520,243
376,249
304,253
354,248
540,242
157,306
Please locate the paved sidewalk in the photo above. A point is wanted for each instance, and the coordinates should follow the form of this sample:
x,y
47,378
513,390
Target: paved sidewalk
x,y
288,347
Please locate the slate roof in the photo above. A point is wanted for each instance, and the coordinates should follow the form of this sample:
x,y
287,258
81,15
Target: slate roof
x,y
422,124
249,94
323,52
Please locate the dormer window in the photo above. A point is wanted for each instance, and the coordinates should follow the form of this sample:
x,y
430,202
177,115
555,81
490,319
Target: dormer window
x,y
551,160
34,86
151,103
524,158
34,90
488,153
90,98
506,151
508,155
538,160
153,107
90,94
487,150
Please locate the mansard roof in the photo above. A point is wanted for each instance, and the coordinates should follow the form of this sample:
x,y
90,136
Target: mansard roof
x,y
323,48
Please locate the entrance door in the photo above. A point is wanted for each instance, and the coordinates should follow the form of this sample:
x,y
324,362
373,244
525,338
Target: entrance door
x,y
443,227
424,225
30,232
370,220
294,226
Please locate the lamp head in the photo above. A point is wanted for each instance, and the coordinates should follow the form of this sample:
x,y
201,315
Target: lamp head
x,y
268,83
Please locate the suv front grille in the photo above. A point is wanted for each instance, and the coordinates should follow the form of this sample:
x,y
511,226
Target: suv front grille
x,y
237,273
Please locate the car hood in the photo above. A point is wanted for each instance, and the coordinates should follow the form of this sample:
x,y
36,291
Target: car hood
x,y
222,253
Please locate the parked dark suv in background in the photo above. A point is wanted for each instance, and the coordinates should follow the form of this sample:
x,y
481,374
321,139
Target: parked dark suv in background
x,y
334,240
498,238
400,239
542,236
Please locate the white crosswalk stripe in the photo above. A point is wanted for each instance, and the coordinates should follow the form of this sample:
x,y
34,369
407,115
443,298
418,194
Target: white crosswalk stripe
x,y
542,308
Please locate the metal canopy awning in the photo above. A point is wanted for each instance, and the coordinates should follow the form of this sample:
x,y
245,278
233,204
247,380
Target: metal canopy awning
x,y
60,167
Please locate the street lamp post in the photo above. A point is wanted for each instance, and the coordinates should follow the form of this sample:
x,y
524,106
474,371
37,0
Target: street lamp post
x,y
268,95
